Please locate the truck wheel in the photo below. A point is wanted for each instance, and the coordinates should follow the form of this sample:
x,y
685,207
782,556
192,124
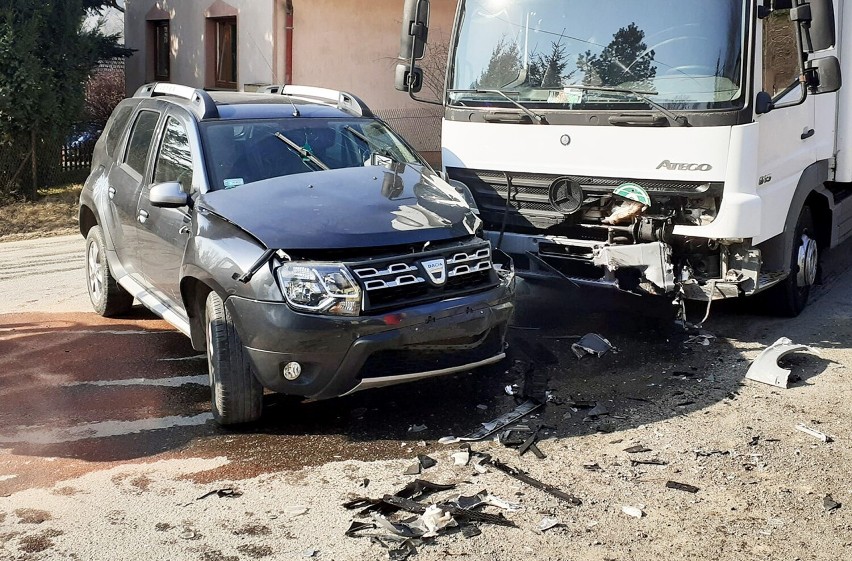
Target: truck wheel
x,y
108,298
791,296
236,395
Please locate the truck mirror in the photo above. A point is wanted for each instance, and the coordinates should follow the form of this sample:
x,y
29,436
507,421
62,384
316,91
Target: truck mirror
x,y
763,103
820,34
415,29
408,79
824,75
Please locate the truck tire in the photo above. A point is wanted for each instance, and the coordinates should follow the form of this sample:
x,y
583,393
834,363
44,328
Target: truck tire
x,y
791,296
236,395
108,298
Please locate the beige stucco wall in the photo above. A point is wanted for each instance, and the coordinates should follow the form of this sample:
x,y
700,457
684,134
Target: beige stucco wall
x,y
255,30
341,44
353,45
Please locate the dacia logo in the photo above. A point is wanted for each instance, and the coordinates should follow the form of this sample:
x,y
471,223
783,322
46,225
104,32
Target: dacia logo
x,y
674,166
437,271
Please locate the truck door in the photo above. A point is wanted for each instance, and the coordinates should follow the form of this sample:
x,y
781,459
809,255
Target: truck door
x,y
788,139
125,186
164,232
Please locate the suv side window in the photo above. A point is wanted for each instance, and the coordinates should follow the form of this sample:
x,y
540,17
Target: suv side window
x,y
140,140
174,161
116,127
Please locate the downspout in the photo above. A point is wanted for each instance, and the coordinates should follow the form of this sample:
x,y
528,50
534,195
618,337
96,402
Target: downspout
x,y
288,42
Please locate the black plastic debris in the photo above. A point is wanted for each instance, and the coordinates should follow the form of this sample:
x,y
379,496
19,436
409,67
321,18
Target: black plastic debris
x,y
226,493
415,507
591,344
365,483
498,424
426,462
755,440
533,482
638,449
582,404
403,552
357,526
597,411
592,467
830,504
416,489
681,487
708,453
470,531
651,462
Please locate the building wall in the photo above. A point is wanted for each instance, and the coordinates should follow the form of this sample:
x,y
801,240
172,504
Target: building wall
x,y
336,44
189,28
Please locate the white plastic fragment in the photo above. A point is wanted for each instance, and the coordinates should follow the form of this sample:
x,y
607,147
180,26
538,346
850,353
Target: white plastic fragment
x,y
765,367
461,458
814,433
633,511
548,523
417,428
434,520
501,503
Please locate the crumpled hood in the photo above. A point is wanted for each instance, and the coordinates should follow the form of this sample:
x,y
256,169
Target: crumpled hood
x,y
346,208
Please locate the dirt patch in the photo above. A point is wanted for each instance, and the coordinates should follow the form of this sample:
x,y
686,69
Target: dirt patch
x,y
255,551
54,214
252,530
163,526
142,483
38,542
32,516
2,517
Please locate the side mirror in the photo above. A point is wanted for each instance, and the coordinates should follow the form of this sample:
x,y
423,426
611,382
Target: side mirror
x,y
824,75
408,79
763,103
820,34
168,195
415,29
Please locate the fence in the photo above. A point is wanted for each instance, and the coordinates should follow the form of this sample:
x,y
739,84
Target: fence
x,y
421,127
58,162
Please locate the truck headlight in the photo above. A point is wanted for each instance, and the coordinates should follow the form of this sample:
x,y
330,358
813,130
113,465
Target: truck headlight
x,y
320,288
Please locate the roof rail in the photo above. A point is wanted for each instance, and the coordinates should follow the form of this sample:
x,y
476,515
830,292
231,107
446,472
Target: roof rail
x,y
201,102
344,101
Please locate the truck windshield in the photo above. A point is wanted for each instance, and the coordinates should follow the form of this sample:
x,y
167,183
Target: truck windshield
x,y
684,54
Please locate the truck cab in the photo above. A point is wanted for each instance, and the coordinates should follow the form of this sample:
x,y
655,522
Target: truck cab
x,y
695,149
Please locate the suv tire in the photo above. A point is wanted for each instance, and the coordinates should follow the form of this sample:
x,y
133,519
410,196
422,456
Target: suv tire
x,y
108,298
236,395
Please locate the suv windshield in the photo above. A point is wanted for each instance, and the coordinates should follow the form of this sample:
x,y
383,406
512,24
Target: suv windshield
x,y
683,55
242,152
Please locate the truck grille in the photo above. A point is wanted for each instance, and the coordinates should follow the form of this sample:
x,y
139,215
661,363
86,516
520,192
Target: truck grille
x,y
529,203
403,281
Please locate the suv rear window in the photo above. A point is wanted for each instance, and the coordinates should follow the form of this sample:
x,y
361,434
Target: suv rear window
x,y
116,127
140,140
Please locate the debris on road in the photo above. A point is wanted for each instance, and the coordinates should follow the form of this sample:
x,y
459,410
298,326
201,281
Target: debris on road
x,y
765,367
830,504
592,467
417,428
708,453
461,458
651,462
682,487
597,411
533,482
548,523
470,531
638,449
511,389
226,493
591,344
814,433
426,462
633,511
497,424
413,469
702,339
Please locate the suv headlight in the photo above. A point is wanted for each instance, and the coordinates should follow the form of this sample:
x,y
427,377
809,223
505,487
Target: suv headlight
x,y
320,288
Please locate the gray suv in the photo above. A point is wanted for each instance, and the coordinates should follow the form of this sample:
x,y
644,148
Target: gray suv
x,y
293,237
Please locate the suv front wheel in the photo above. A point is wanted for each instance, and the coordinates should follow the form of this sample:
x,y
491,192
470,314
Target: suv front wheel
x,y
236,395
108,298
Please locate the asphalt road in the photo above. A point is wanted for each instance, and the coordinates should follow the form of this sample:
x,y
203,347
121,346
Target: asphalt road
x,y
87,404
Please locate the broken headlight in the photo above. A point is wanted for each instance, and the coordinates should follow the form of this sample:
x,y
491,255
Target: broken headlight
x,y
320,288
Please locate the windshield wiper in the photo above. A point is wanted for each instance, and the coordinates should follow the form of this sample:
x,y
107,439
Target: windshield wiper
x,y
376,147
678,120
538,119
304,153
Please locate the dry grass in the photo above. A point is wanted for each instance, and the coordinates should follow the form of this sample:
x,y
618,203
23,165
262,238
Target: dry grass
x,y
54,214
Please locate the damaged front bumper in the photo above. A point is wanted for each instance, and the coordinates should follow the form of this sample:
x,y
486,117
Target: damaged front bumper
x,y
730,270
340,355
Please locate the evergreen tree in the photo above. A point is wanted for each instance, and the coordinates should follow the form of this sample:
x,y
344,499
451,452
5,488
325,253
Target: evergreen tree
x,y
625,60
503,68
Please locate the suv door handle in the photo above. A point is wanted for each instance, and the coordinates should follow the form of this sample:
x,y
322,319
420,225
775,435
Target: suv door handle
x,y
111,192
143,216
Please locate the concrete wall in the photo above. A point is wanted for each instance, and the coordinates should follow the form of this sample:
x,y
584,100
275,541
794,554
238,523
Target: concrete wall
x,y
190,42
340,44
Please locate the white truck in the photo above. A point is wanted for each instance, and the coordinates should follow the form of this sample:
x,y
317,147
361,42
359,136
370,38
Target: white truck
x,y
691,148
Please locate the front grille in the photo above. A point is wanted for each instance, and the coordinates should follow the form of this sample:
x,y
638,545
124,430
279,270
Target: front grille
x,y
411,360
396,282
529,202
